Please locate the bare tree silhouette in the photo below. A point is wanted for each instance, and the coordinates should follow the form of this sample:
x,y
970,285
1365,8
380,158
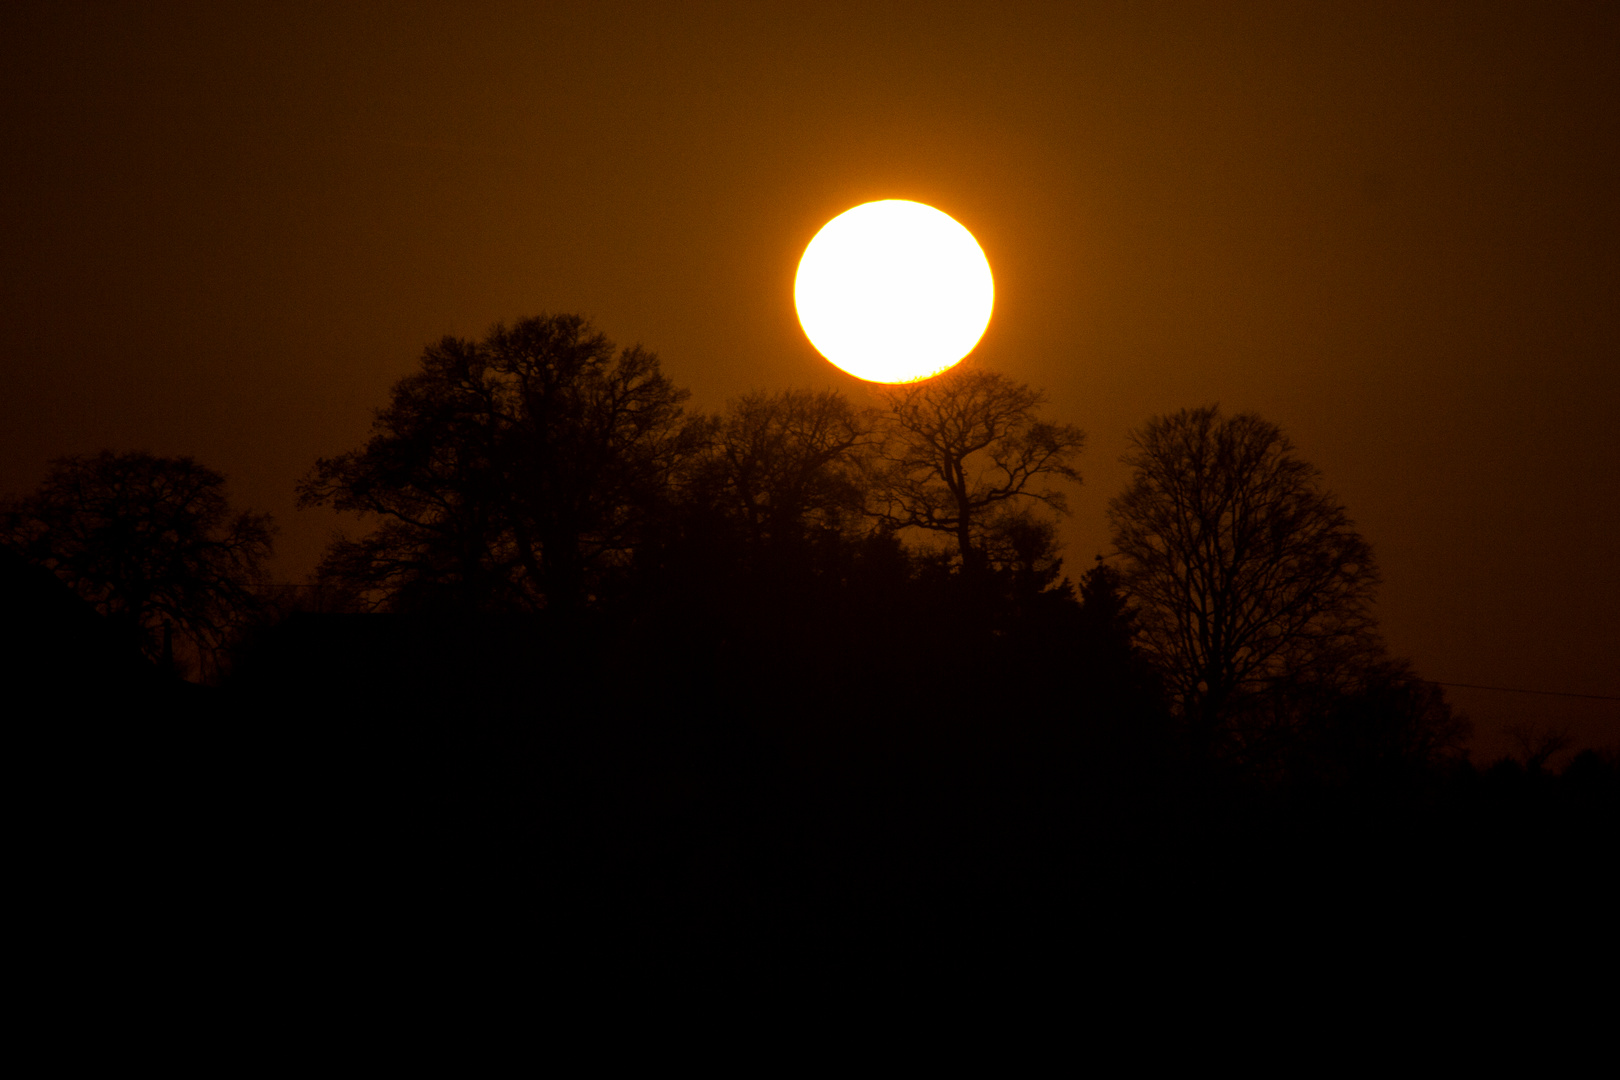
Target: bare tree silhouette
x,y
790,460
962,445
1538,744
1246,572
152,543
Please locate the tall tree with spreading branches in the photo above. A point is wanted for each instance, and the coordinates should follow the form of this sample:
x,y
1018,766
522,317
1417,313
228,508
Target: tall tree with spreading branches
x,y
1246,572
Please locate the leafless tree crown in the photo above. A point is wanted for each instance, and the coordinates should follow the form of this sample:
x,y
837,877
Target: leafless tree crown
x,y
964,444
792,459
1246,571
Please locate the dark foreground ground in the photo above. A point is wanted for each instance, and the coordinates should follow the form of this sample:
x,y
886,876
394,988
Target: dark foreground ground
x,y
372,794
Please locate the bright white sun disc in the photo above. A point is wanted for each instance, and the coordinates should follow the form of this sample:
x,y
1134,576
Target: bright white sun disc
x,y
894,291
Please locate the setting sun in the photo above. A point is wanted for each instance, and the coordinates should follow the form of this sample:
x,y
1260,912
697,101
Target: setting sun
x,y
894,291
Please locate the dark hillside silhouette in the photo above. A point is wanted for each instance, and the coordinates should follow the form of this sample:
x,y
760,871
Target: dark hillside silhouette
x,y
122,778
59,651
613,678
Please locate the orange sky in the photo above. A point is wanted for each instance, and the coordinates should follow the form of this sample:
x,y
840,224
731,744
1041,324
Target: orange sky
x,y
1390,228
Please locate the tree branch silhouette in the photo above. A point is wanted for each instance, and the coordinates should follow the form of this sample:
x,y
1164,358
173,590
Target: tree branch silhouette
x,y
963,443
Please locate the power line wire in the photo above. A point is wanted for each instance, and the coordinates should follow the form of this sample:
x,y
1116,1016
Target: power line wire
x,y
1520,690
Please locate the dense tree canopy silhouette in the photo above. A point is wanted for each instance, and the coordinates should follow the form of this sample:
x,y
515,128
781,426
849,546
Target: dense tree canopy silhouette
x,y
1247,574
789,461
508,472
1373,720
964,446
151,542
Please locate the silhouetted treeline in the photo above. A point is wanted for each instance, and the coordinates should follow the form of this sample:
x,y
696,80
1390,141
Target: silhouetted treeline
x,y
153,544
799,668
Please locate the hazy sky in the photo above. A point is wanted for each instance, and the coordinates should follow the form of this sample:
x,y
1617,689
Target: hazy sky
x,y
1389,228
